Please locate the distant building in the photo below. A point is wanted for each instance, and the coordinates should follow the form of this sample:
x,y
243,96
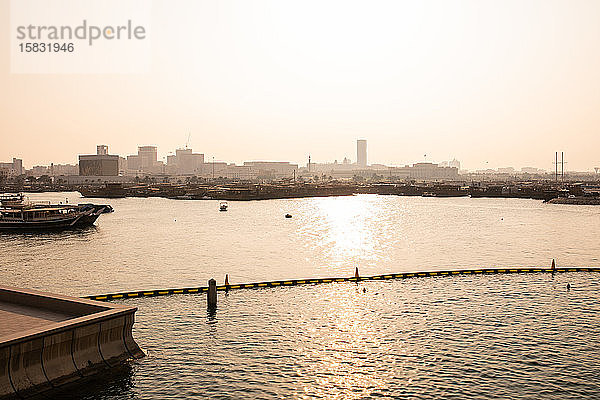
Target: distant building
x,y
424,171
532,170
133,163
454,164
10,169
243,172
273,169
146,161
122,165
361,153
331,168
62,169
185,162
53,170
378,167
39,170
148,156
102,150
99,164
506,170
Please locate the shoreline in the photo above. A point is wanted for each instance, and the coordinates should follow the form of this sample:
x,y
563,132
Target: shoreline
x,y
237,191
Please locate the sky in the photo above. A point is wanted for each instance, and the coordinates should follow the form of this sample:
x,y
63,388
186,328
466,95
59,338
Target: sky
x,y
491,83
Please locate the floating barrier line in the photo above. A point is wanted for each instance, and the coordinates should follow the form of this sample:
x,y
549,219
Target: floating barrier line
x,y
294,282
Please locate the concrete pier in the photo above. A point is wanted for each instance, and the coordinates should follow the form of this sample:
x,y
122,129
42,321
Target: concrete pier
x,y
48,340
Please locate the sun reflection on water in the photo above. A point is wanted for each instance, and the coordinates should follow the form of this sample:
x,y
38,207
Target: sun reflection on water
x,y
352,230
349,335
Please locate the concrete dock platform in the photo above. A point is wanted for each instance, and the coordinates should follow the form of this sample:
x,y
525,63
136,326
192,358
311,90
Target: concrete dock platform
x,y
49,340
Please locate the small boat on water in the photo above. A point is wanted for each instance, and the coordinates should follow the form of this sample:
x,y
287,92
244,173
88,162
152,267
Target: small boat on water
x,y
18,214
223,206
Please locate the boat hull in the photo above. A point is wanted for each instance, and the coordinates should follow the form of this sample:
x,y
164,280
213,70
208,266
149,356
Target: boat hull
x,y
74,221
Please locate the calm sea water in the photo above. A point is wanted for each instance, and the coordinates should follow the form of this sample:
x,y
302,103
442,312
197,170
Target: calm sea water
x,y
158,243
462,337
501,336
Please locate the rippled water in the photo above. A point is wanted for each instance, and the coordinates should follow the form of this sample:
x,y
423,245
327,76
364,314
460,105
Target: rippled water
x,y
490,336
494,336
157,243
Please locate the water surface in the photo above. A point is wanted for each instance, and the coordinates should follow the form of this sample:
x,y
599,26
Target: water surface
x,y
158,243
518,336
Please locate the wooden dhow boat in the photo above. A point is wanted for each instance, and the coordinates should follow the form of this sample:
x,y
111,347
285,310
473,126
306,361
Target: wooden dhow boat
x,y
18,214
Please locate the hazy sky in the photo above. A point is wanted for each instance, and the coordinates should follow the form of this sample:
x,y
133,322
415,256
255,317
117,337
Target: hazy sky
x,y
503,83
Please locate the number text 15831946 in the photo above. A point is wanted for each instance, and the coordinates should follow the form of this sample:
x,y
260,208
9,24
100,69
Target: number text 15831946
x,y
43,47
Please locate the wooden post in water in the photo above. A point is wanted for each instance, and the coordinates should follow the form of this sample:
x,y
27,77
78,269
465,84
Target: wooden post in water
x,y
212,294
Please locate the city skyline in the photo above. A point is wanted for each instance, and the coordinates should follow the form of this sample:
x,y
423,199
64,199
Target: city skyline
x,y
491,86
352,159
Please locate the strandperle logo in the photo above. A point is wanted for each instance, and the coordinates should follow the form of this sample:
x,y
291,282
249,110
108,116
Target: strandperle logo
x,y
85,31
80,36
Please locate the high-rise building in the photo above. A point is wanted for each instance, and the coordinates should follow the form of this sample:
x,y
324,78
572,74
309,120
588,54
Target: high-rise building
x,y
361,153
145,161
148,156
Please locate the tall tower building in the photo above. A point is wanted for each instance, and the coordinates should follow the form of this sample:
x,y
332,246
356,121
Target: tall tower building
x,y
361,153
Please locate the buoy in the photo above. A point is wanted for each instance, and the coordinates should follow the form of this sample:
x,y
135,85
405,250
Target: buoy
x,y
553,265
226,279
568,286
356,273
